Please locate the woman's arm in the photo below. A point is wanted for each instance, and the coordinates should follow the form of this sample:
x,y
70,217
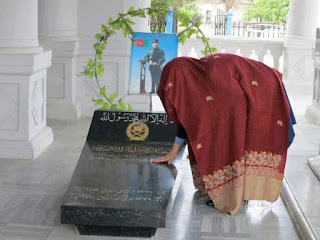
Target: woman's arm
x,y
179,141
171,156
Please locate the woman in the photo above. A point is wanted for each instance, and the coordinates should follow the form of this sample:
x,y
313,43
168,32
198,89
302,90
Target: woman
x,y
236,117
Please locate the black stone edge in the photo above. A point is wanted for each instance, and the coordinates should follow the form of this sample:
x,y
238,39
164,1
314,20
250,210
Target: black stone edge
x,y
113,217
302,224
130,143
67,220
128,111
143,232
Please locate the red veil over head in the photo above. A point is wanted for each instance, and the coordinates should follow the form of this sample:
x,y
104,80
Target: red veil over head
x,y
236,115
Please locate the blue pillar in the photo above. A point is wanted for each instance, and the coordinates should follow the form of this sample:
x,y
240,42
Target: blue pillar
x,y
229,22
169,21
175,23
287,21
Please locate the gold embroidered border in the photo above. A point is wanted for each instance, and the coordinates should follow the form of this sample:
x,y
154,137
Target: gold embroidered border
x,y
230,186
262,159
197,179
253,163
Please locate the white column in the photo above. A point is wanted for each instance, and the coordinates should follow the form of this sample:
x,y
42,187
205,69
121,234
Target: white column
x,y
117,54
299,43
23,73
313,111
58,32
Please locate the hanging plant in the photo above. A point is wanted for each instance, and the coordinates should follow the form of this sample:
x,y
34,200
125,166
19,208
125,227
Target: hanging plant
x,y
95,68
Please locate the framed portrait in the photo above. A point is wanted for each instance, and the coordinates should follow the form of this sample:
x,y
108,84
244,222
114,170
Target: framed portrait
x,y
149,54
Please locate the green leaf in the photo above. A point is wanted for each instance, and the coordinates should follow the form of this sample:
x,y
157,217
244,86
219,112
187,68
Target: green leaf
x,y
99,102
131,11
130,107
89,73
90,63
110,21
103,90
94,100
98,36
125,31
198,24
213,49
205,52
100,69
104,28
191,32
150,11
112,97
98,50
128,22
122,106
114,106
111,32
95,46
116,25
182,38
142,13
105,106
102,46
99,56
100,72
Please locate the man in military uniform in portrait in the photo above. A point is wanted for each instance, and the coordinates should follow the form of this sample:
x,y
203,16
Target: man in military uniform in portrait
x,y
156,58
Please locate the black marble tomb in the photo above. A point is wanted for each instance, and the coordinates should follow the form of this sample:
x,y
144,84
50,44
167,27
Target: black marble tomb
x,y
115,190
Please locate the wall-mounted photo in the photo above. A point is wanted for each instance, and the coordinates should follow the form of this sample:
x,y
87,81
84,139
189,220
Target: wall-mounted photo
x,y
149,54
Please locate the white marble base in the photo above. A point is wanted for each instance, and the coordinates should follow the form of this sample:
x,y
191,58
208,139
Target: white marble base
x,y
313,114
23,131
62,82
60,109
27,149
314,164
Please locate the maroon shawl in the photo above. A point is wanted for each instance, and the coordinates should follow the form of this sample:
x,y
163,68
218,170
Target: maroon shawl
x,y
236,115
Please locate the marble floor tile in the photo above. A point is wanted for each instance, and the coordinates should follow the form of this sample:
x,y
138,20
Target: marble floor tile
x,y
31,192
23,231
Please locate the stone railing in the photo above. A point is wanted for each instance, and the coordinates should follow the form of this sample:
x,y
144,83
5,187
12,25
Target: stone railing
x,y
269,51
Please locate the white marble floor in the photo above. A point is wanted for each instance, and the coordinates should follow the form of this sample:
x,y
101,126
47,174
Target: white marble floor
x,y
31,192
304,183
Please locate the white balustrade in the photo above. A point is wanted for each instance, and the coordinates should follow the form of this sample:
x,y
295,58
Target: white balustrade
x,y
238,52
268,59
254,56
270,52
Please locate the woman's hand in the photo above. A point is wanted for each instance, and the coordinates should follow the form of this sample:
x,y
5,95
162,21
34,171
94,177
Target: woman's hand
x,y
170,157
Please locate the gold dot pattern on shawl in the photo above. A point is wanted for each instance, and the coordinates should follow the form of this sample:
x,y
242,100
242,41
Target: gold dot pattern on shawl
x,y
217,56
254,83
280,123
170,85
209,98
199,146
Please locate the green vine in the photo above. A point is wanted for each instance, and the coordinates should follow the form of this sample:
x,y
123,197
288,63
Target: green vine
x,y
95,68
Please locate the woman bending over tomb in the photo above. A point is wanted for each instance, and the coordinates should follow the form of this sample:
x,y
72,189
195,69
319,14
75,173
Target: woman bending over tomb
x,y
235,115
